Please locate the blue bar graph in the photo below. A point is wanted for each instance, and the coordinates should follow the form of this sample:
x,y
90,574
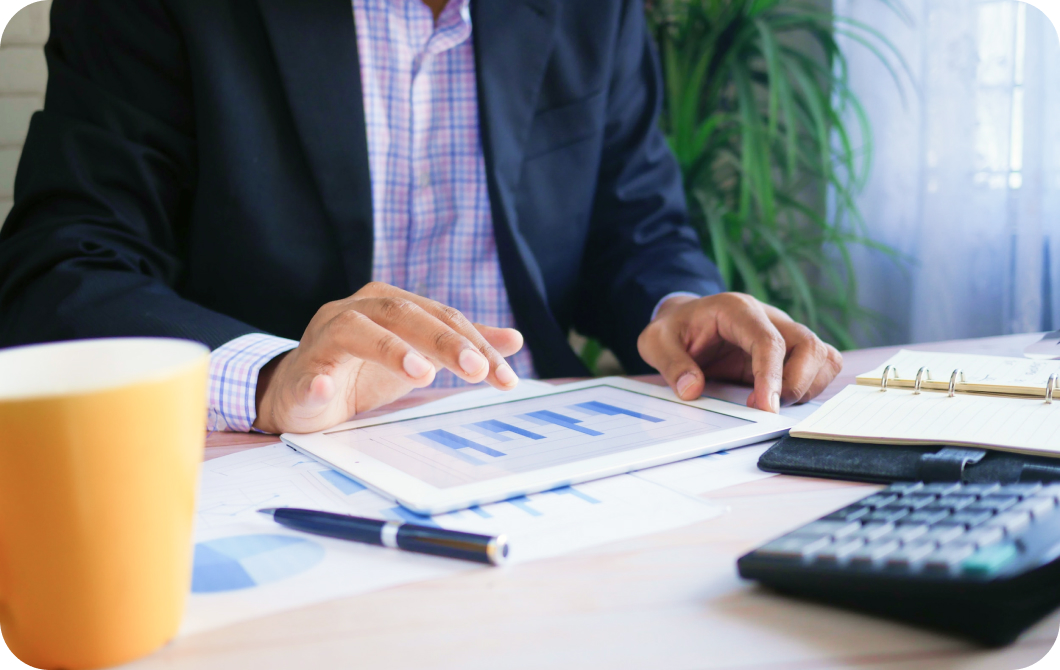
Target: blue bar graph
x,y
610,410
521,503
447,439
488,433
340,481
481,512
571,491
401,514
500,427
545,416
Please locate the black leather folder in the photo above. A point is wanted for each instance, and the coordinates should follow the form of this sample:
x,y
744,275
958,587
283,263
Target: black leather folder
x,y
888,463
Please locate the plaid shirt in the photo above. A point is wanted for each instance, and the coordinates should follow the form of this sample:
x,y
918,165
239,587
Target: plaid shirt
x,y
432,222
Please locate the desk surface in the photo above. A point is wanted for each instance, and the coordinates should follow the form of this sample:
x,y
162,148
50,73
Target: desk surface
x,y
667,600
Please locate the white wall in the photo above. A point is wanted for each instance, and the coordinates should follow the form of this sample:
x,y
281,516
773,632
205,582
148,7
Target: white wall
x,y
23,76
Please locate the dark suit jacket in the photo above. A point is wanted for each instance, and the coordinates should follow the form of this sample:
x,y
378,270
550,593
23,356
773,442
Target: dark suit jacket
x,y
200,170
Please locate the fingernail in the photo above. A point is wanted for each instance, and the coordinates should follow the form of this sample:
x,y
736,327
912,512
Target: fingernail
x,y
416,366
472,362
506,375
774,403
685,382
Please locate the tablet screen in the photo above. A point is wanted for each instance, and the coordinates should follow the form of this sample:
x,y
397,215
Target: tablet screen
x,y
483,443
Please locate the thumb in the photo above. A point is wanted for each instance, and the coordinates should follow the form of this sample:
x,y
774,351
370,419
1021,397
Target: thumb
x,y
662,348
314,392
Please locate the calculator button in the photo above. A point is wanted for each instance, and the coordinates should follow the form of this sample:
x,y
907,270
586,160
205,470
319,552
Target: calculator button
x,y
873,531
879,500
1023,490
909,533
941,489
839,550
979,489
888,513
947,558
994,503
943,534
1037,507
918,501
957,502
967,519
793,547
835,529
909,555
850,513
1011,522
1050,491
904,488
982,537
928,516
990,561
874,551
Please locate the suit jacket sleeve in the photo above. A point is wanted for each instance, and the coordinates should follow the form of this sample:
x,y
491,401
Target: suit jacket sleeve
x,y
103,190
640,246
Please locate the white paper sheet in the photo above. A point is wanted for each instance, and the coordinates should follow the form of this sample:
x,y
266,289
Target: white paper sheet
x,y
711,472
279,570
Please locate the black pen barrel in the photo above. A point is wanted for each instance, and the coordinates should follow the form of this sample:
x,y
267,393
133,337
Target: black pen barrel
x,y
396,535
338,526
452,544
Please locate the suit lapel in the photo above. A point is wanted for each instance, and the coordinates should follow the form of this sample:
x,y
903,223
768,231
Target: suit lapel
x,y
315,46
513,43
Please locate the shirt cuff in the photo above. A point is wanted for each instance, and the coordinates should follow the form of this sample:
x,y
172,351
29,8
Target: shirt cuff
x,y
234,368
675,294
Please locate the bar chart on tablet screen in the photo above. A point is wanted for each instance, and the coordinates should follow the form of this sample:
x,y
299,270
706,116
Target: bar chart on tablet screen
x,y
479,444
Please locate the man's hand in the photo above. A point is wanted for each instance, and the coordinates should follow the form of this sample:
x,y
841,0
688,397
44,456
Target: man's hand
x,y
734,337
372,348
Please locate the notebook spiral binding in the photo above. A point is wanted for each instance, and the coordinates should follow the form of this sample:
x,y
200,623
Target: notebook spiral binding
x,y
925,373
886,373
920,375
953,381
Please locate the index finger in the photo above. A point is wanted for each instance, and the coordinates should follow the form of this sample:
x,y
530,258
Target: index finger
x,y
748,326
500,374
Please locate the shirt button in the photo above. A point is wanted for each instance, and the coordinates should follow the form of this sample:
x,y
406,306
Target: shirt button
x,y
423,179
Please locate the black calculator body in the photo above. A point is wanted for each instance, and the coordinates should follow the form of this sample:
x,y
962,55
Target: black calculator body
x,y
978,560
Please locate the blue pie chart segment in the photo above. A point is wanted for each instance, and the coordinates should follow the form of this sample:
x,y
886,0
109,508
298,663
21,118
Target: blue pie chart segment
x,y
245,561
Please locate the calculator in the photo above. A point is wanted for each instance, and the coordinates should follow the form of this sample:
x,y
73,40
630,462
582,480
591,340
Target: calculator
x,y
978,560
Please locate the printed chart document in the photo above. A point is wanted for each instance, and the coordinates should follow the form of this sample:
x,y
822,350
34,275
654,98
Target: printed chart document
x,y
491,448
711,472
246,566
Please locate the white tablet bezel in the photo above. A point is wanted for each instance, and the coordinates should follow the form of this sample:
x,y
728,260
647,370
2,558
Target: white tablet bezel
x,y
424,498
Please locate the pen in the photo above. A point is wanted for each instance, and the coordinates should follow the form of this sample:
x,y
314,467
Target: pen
x,y
395,534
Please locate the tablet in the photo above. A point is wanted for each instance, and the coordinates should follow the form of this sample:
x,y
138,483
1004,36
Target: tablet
x,y
486,446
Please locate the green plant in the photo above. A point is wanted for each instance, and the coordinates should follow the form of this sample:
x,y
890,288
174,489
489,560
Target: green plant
x,y
756,110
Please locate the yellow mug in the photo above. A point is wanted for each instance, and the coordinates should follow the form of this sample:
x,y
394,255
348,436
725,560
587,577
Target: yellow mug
x,y
100,446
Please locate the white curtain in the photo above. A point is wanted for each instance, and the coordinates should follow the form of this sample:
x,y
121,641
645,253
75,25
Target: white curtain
x,y
965,179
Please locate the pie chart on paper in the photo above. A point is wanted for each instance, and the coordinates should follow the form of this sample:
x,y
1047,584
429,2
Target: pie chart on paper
x,y
246,561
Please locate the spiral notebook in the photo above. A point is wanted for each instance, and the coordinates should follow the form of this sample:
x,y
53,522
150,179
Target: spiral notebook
x,y
952,399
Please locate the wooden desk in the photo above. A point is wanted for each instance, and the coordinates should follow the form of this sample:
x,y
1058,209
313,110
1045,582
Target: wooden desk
x,y
669,600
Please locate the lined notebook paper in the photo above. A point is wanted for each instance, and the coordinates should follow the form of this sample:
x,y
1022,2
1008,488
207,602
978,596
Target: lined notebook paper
x,y
1000,406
